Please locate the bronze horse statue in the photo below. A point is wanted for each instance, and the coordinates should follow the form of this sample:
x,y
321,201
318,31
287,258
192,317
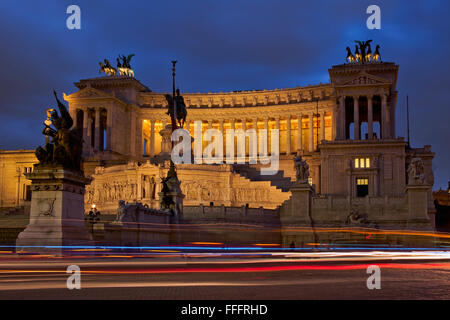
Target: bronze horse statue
x,y
376,55
350,57
107,68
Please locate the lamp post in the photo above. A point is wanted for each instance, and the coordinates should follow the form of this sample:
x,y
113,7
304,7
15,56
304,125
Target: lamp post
x,y
174,113
93,217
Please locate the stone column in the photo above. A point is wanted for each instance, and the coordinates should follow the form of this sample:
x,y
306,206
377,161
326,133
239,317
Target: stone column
x,y
334,132
385,117
356,129
188,126
133,131
244,124
97,130
311,132
86,142
370,116
210,126
152,138
299,132
342,130
140,132
322,126
277,126
109,125
288,134
222,130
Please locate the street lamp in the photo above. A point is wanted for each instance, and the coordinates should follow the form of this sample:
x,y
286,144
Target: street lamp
x,y
93,216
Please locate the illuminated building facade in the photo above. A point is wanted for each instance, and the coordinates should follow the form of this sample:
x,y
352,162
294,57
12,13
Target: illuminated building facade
x,y
344,129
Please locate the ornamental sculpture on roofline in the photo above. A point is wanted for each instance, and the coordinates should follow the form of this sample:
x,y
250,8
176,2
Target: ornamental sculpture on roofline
x,y
363,53
124,67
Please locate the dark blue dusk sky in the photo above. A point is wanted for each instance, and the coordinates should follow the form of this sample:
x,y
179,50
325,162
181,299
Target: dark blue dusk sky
x,y
222,45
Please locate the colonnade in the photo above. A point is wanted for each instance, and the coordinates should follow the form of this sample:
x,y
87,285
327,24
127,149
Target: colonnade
x,y
313,122
95,125
384,118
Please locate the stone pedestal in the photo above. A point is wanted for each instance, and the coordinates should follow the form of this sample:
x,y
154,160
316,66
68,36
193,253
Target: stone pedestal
x,y
57,210
296,212
417,197
166,141
417,202
301,202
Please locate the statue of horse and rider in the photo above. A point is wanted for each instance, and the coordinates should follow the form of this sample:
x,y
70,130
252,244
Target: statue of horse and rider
x,y
181,111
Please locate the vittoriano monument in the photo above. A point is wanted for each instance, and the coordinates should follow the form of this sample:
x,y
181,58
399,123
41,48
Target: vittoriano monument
x,y
58,186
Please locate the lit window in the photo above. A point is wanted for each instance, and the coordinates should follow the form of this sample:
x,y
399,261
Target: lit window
x,y
362,163
362,182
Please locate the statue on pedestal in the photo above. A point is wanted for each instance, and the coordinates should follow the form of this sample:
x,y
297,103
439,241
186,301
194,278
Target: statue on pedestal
x,y
171,196
58,188
301,169
416,172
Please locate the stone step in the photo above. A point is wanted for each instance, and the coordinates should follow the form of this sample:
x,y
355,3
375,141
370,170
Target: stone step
x,y
277,180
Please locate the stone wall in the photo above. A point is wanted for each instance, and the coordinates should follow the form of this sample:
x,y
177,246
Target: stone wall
x,y
224,226
13,183
201,184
